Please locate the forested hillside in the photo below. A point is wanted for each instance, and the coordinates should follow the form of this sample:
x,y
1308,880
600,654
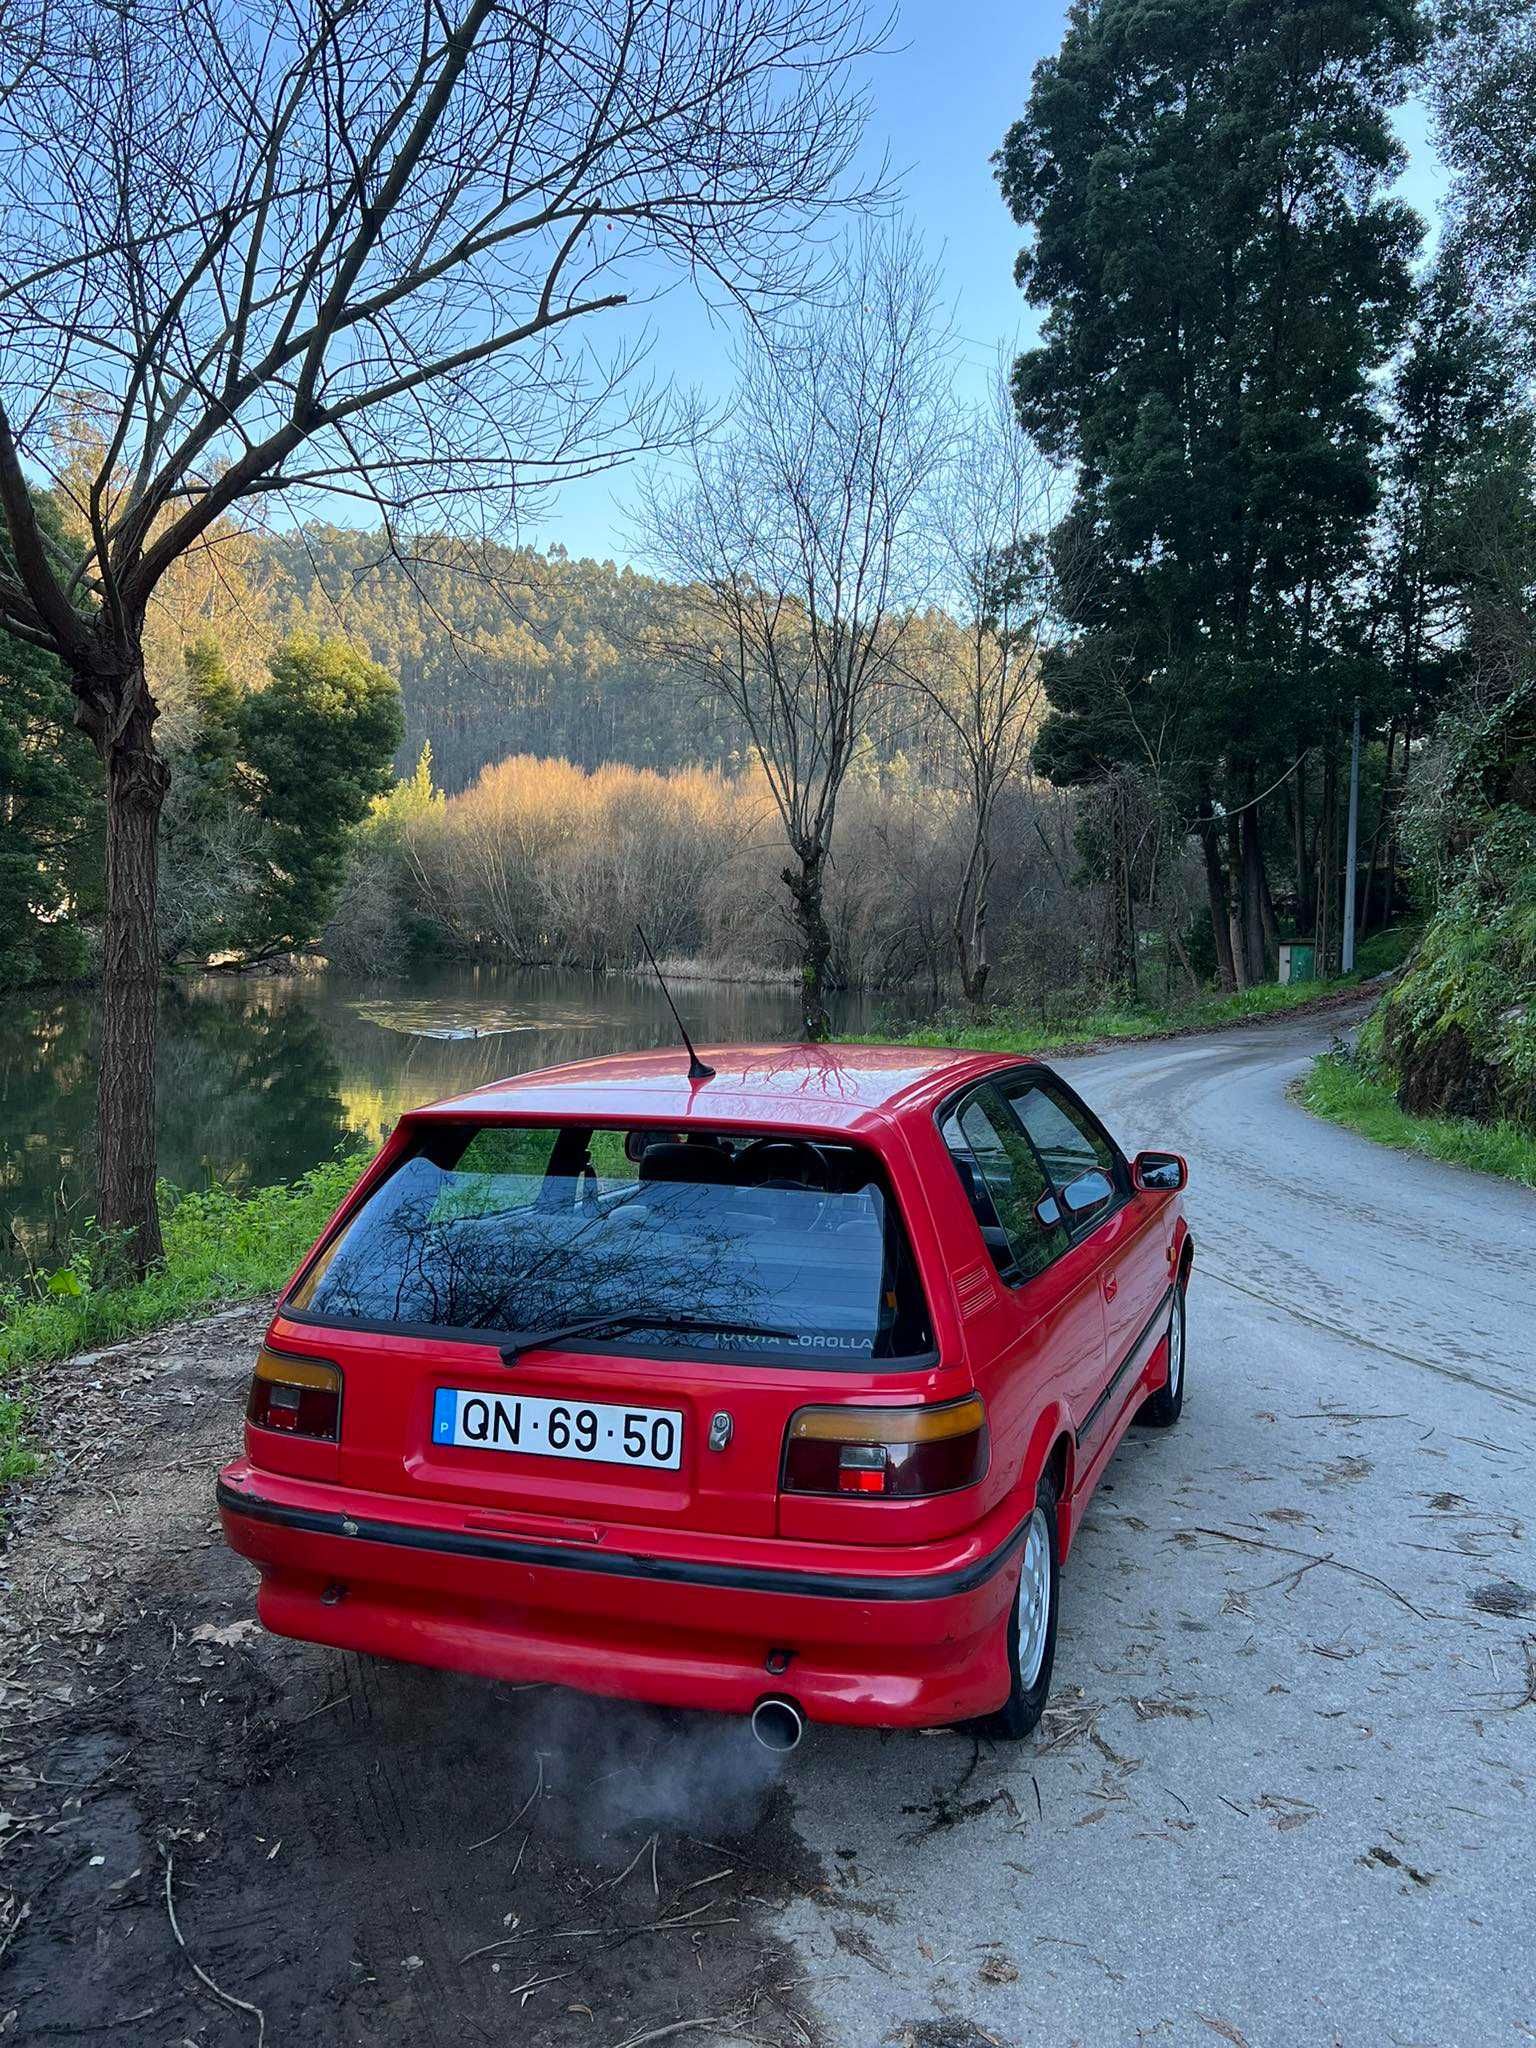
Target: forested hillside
x,y
500,650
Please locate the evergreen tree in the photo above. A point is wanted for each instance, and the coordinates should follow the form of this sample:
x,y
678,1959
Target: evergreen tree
x,y
51,823
316,749
1221,277
1456,521
213,848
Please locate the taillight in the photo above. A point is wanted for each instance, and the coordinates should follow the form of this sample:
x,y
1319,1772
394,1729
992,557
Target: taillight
x,y
886,1453
299,1396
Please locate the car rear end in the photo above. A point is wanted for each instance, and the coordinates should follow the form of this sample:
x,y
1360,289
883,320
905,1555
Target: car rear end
x,y
681,1417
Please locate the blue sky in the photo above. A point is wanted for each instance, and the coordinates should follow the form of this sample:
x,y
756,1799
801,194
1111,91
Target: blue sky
x,y
944,93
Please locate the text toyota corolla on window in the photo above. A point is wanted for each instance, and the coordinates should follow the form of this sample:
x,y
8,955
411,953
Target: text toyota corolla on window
x,y
780,1389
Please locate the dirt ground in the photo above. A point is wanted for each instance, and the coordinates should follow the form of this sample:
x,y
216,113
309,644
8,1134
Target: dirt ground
x,y
356,1852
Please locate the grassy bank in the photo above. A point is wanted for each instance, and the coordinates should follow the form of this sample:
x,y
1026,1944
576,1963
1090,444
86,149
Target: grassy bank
x,y
219,1247
1024,1031
1340,1090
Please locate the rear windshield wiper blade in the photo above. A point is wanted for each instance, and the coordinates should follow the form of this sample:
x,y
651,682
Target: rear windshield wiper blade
x,y
631,1319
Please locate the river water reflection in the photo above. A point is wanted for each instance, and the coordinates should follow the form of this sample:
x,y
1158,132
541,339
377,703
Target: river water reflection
x,y
261,1077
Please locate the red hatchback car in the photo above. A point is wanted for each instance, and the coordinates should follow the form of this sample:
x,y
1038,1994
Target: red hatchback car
x,y
780,1392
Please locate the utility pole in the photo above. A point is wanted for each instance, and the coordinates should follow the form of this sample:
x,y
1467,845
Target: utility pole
x,y
1348,963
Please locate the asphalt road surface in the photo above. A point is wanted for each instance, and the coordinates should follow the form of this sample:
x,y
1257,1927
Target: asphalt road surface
x,y
1284,1794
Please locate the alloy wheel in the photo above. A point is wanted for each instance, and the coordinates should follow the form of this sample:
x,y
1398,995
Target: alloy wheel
x,y
1034,1599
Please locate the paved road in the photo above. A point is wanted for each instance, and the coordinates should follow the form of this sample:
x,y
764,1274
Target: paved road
x,y
1287,1791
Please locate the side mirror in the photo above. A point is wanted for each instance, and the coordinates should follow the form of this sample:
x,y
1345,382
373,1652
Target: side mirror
x,y
1159,1173
1048,1213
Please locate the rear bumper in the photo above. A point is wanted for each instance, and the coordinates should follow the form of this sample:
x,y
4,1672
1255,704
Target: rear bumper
x,y
918,1642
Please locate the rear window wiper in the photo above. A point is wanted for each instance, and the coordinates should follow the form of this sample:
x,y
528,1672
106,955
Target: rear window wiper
x,y
631,1319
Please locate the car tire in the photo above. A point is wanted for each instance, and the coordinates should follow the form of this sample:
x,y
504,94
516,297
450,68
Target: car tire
x,y
1163,1409
1031,1632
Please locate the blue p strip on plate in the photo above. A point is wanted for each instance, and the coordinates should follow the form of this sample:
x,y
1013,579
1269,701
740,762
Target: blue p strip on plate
x,y
445,1411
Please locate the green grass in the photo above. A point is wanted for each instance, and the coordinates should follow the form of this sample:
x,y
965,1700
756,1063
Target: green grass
x,y
1338,1089
1016,1031
1021,1031
219,1248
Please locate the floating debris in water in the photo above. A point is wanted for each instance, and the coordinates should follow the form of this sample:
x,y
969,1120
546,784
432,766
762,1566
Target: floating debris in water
x,y
450,1022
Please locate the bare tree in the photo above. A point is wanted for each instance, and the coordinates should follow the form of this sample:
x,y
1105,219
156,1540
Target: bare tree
x,y
796,534
988,522
308,251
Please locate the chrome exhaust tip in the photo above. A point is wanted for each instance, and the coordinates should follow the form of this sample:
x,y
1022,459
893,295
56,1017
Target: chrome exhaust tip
x,y
778,1725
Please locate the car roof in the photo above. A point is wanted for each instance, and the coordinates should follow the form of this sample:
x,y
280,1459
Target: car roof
x,y
805,1087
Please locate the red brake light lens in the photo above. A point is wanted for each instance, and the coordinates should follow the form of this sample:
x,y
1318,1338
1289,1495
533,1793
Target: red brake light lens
x,y
298,1396
886,1453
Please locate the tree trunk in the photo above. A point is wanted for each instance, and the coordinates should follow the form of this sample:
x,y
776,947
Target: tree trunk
x,y
1122,898
1216,892
1327,878
805,888
1260,934
1239,922
970,925
1305,909
1383,817
137,779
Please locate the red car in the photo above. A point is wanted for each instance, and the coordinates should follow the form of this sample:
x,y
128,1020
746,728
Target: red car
x,y
780,1391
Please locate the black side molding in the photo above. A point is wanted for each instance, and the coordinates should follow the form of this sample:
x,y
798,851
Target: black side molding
x,y
623,1564
1148,1329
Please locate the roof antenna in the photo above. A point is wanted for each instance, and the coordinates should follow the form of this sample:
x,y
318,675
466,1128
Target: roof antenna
x,y
697,1071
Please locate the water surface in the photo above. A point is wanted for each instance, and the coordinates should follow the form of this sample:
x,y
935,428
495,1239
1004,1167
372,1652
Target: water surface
x,y
260,1077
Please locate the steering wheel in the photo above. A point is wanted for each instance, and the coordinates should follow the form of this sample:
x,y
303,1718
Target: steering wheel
x,y
815,1166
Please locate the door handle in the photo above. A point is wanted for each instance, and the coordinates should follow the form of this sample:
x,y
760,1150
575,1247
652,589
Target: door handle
x,y
1111,1289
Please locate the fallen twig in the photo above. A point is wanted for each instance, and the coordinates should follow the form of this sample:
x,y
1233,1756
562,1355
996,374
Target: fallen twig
x,y
324,1707
486,1840
224,1997
1310,1559
676,2027
1526,1699
22,1912
611,1883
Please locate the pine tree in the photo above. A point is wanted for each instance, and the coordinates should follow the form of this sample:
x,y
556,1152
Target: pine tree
x,y
1221,276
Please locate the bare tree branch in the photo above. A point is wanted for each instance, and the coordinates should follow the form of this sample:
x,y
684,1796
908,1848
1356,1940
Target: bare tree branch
x,y
798,538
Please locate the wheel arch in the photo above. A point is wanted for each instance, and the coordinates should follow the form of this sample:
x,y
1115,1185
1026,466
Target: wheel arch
x,y
1053,1449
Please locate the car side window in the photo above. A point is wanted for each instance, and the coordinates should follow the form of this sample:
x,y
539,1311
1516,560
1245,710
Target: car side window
x,y
1067,1142
1003,1181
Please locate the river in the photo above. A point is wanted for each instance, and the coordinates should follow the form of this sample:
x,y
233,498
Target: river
x,y
262,1076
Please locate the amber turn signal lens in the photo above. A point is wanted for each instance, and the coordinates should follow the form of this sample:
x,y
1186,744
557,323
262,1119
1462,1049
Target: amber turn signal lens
x,y
886,1453
298,1396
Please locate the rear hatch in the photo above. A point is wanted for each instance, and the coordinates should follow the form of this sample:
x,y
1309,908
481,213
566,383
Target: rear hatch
x,y
570,1326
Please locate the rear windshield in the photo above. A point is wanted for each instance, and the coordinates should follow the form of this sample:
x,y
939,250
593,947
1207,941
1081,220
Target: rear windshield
x,y
713,1242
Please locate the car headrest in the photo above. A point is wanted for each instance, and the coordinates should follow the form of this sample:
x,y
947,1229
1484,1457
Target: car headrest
x,y
793,1166
671,1161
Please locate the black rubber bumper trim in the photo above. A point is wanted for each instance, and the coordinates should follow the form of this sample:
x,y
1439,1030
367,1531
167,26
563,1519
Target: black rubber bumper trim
x,y
1146,1330
623,1564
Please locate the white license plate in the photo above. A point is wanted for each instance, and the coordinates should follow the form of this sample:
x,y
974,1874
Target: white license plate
x,y
592,1430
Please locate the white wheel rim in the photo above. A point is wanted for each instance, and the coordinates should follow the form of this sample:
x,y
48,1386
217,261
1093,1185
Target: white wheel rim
x,y
1034,1599
1176,1349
